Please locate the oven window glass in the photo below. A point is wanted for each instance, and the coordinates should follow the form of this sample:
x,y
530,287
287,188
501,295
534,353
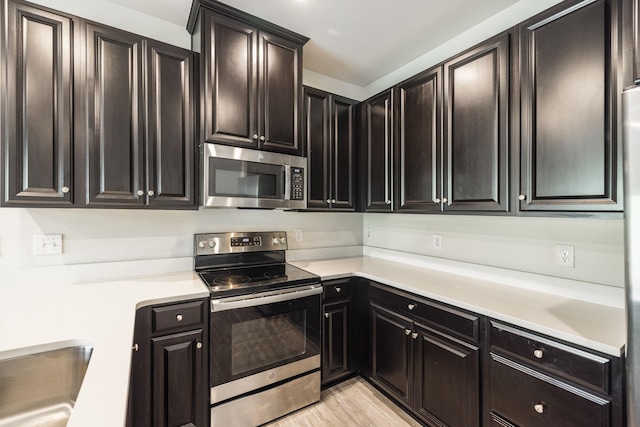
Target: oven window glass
x,y
236,178
268,340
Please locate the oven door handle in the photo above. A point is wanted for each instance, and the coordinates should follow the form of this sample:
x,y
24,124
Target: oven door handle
x,y
264,298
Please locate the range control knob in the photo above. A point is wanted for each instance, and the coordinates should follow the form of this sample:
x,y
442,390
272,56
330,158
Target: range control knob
x,y
283,240
275,241
212,243
202,244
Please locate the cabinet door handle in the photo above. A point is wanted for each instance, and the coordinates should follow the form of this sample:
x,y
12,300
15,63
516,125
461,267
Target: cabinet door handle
x,y
388,202
179,317
538,354
328,200
414,335
65,190
407,331
151,193
140,193
326,315
333,200
255,136
338,290
437,201
262,138
445,200
539,408
411,306
522,197
198,345
136,347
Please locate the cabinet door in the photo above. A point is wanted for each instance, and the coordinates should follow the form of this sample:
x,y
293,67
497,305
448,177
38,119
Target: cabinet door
x,y
280,73
170,126
115,114
230,82
179,380
317,135
447,379
571,154
378,125
419,140
392,357
37,87
476,128
342,153
335,352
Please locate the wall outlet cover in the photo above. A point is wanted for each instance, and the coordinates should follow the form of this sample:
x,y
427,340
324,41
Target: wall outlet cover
x,y
47,244
565,256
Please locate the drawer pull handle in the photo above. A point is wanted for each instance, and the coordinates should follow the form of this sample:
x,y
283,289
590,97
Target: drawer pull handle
x,y
179,317
198,345
326,315
407,331
338,290
411,306
136,347
414,335
538,353
539,408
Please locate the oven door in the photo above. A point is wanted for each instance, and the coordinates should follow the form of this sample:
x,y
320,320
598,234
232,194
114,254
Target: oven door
x,y
262,339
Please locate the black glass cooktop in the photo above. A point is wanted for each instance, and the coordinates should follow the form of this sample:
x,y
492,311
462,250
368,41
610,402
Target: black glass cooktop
x,y
255,278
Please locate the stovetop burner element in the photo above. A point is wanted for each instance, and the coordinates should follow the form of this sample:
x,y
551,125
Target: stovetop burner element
x,y
232,280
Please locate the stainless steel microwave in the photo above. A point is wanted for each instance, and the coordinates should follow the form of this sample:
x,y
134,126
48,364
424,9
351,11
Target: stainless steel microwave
x,y
243,178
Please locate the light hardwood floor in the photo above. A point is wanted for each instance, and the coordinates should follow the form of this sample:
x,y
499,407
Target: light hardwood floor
x,y
352,403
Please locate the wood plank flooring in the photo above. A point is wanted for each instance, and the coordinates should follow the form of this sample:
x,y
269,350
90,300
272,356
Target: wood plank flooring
x,y
352,403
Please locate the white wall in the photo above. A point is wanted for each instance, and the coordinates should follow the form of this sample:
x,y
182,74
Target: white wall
x,y
522,244
100,244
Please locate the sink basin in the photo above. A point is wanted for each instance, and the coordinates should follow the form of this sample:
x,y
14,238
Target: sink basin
x,y
39,385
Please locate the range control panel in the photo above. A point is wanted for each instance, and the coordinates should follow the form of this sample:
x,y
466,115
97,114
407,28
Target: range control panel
x,y
228,243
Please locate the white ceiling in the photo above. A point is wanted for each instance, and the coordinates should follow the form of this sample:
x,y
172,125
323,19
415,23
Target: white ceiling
x,y
356,41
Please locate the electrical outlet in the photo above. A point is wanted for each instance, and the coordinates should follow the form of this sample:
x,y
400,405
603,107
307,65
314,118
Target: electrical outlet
x,y
298,234
47,244
437,242
565,256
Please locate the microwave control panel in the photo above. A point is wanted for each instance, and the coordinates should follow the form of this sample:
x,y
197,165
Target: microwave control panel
x,y
297,183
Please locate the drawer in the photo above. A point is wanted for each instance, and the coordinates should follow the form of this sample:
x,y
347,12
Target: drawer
x,y
336,289
576,365
456,322
178,316
526,397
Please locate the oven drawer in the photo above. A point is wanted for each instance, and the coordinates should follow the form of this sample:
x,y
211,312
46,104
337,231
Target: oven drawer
x,y
176,317
576,365
454,321
527,397
336,289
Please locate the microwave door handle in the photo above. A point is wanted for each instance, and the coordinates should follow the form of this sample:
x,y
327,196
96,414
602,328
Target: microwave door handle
x,y
287,182
257,299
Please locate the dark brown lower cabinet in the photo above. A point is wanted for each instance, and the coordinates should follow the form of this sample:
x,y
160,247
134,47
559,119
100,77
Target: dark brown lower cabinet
x,y
534,380
432,374
169,366
337,345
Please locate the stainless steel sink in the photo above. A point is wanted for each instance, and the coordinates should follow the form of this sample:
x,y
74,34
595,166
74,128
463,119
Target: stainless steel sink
x,y
39,385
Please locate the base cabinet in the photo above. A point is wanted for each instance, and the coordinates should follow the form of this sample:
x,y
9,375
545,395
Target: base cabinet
x,y
535,380
169,374
421,363
337,345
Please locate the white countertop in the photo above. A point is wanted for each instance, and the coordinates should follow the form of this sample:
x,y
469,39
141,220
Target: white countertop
x,y
104,314
598,327
100,313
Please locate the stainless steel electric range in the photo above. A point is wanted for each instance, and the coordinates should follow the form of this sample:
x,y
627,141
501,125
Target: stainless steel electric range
x,y
265,328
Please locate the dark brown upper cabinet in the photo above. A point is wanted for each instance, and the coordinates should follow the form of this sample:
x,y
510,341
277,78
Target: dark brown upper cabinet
x,y
170,127
476,132
377,140
37,102
251,79
140,122
571,159
329,126
418,113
